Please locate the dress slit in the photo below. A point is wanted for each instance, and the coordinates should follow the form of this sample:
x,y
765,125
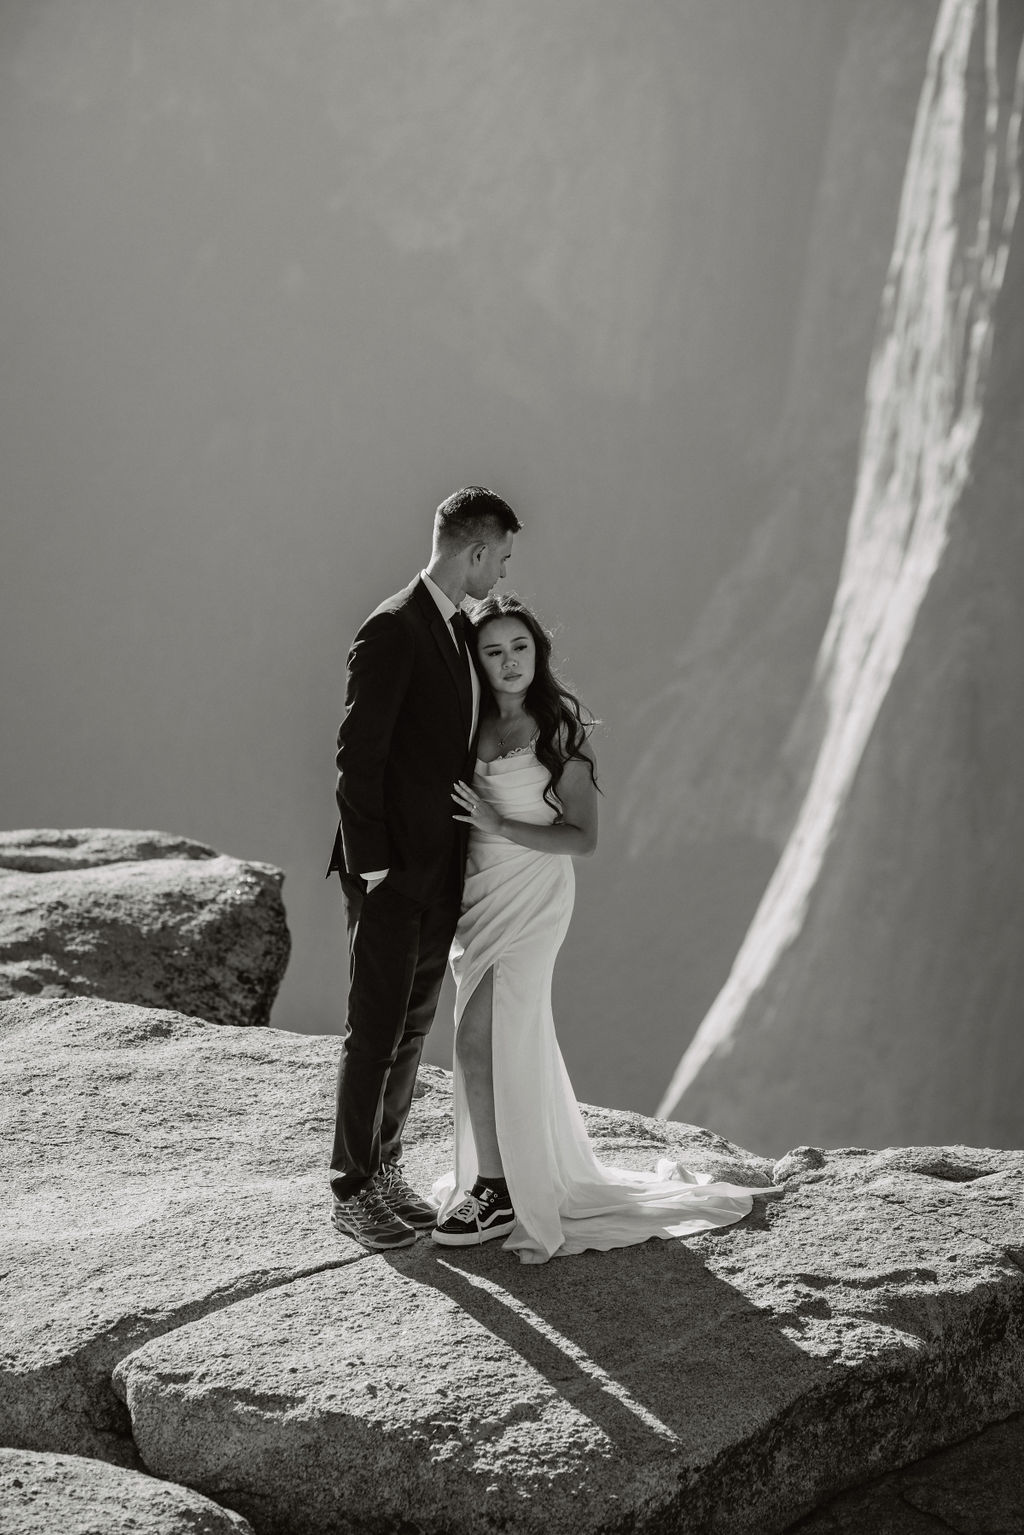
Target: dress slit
x,y
467,1162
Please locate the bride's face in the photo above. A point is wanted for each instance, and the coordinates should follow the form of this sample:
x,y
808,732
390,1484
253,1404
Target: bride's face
x,y
508,656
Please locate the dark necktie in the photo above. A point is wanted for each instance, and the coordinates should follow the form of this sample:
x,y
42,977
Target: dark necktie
x,y
458,622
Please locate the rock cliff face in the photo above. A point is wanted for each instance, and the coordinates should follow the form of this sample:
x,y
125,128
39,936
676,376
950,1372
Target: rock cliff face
x,y
140,917
715,734
177,1303
900,805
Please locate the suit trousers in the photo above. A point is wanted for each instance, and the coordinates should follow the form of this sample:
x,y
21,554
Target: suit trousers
x,y
398,951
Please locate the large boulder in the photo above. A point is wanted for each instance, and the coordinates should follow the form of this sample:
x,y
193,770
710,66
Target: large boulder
x,y
140,917
180,1303
41,1494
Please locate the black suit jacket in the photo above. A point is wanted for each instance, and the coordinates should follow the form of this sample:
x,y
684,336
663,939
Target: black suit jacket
x,y
401,746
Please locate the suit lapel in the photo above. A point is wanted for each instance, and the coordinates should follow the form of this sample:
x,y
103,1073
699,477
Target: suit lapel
x,y
453,660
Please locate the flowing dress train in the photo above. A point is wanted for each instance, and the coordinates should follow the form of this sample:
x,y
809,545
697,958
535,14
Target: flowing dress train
x,y
515,913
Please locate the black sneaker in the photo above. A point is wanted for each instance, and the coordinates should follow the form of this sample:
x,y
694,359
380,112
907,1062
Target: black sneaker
x,y
367,1219
402,1200
482,1216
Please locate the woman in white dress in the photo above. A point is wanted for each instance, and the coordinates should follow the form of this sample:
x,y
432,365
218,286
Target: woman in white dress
x,y
524,1166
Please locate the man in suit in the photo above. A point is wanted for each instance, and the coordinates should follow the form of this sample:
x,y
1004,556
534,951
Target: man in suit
x,y
412,701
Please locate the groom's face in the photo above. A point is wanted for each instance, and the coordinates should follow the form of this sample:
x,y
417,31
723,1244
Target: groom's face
x,y
487,566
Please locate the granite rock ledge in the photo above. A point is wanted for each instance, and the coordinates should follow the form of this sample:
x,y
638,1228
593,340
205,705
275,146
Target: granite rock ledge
x,y
140,917
191,1313
41,1494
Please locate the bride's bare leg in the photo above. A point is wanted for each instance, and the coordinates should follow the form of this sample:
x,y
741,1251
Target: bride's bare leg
x,y
473,1048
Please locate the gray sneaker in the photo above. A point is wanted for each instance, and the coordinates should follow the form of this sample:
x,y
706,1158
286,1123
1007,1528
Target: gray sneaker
x,y
365,1218
402,1200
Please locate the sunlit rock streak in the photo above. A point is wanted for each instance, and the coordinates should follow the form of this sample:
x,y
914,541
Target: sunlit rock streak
x,y
923,409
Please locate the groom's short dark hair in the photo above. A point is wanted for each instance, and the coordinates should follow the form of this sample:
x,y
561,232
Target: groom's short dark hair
x,y
473,513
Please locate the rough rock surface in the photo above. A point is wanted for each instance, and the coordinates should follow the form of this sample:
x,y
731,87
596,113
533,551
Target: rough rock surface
x,y
879,1306
160,1167
41,1494
157,1166
168,1231
40,851
974,1488
140,917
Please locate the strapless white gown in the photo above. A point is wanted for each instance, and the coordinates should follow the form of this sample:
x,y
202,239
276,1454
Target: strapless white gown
x,y
515,913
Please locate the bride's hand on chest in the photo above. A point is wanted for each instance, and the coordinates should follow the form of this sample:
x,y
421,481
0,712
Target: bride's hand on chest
x,y
476,811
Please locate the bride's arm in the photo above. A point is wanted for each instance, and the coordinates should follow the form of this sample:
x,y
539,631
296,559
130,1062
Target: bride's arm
x,y
575,833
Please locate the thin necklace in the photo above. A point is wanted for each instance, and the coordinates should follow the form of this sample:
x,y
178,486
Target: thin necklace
x,y
503,738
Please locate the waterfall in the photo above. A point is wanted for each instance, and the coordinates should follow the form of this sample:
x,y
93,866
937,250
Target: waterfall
x,y
922,413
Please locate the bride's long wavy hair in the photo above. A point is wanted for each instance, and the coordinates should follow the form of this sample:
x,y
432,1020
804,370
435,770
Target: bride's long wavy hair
x,y
563,723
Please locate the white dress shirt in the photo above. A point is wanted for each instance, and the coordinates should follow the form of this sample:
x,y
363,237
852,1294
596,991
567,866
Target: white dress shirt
x,y
447,609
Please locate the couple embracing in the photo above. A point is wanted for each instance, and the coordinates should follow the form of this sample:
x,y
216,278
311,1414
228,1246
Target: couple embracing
x,y
466,785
